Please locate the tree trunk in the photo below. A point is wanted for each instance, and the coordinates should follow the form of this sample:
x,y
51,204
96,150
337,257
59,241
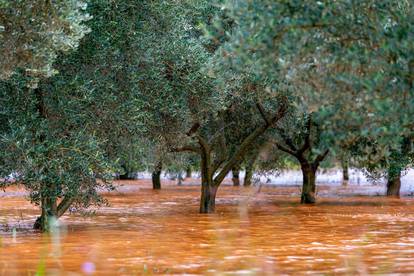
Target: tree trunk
x,y
49,213
180,179
248,177
394,183
208,188
309,184
188,172
249,172
208,197
236,179
156,176
345,172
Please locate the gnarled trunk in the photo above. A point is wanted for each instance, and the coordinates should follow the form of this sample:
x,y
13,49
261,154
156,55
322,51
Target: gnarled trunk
x,y
156,176
394,183
309,184
236,176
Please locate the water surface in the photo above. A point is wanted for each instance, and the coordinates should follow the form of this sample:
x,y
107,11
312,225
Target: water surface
x,y
254,232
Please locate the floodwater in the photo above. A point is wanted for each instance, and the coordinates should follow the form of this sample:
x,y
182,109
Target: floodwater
x,y
256,231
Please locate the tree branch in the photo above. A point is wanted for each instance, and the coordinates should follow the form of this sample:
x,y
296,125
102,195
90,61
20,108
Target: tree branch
x,y
288,141
247,143
64,205
320,157
262,113
285,149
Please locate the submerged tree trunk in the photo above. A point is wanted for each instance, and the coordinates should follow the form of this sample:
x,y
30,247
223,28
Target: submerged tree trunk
x,y
345,172
394,183
208,196
208,187
236,176
49,210
156,176
309,184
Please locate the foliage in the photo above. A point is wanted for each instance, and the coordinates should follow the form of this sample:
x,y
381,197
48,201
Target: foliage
x,y
33,33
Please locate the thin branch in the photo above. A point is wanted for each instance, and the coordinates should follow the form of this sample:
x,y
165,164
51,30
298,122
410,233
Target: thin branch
x,y
285,149
263,113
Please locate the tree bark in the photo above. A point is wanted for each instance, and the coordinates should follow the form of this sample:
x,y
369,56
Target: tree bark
x,y
156,176
394,184
309,184
236,176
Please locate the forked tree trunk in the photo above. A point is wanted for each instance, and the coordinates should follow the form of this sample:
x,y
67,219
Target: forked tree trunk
x,y
236,176
309,184
209,185
49,212
394,184
156,176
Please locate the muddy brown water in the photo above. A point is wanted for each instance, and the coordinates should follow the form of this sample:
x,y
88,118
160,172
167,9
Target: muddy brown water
x,y
254,232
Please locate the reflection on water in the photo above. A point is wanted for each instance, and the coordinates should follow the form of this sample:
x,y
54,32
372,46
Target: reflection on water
x,y
254,232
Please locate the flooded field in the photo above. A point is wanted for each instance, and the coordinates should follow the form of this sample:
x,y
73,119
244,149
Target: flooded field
x,y
256,231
